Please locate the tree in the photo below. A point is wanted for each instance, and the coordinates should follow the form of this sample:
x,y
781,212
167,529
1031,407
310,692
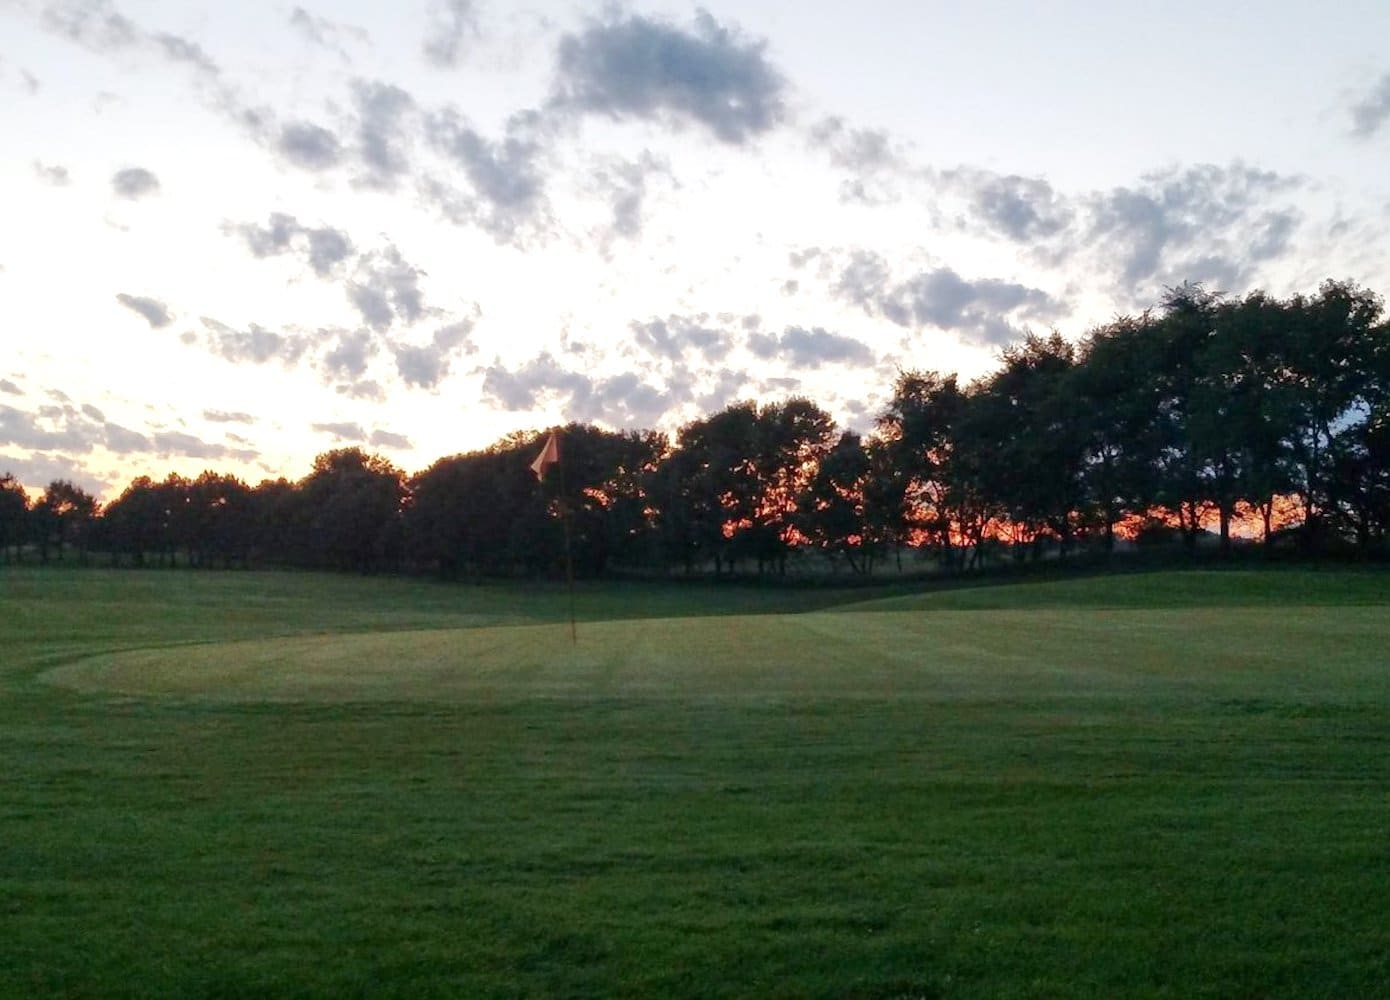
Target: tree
x,y
137,521
63,516
830,509
352,506
1331,378
14,517
1028,442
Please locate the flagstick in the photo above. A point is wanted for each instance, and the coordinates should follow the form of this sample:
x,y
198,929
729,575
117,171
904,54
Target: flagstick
x,y
569,558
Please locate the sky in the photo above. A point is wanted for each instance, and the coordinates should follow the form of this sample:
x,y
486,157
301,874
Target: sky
x,y
235,236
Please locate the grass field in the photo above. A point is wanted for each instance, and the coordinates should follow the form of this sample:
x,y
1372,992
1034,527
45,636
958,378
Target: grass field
x,y
226,784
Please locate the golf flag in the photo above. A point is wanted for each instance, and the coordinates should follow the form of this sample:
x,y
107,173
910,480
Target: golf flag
x,y
550,455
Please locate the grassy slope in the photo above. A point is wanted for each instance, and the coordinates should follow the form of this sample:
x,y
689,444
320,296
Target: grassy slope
x,y
916,801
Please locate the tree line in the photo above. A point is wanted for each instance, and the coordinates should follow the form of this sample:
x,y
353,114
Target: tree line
x,y
1207,412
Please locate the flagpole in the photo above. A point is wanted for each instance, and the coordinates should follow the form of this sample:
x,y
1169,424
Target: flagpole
x,y
569,558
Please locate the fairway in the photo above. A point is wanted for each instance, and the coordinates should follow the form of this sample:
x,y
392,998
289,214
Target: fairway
x,y
1160,785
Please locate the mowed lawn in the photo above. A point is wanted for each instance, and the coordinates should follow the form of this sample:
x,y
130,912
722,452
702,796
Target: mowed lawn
x,y
227,784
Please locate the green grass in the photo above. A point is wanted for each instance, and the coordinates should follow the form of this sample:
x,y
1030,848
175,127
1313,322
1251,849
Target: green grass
x,y
230,784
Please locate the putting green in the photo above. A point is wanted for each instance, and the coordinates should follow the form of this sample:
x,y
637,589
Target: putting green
x,y
1292,654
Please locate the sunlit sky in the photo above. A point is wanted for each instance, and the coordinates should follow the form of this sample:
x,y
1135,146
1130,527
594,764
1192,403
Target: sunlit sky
x,y
236,235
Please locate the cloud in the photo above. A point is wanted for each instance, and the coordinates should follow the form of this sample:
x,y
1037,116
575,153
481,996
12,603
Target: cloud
x,y
325,33
1023,209
623,400
95,24
134,182
637,67
676,336
451,20
871,157
624,184
982,311
427,366
70,429
255,345
367,389
811,348
385,288
156,313
382,139
55,175
341,431
350,354
40,469
124,441
6,386
225,417
169,443
52,428
1196,223
309,146
727,386
182,50
323,247
386,439
504,175
1371,112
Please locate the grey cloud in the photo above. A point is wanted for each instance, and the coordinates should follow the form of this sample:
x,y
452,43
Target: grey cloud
x,y
811,348
644,68
427,366
323,32
39,469
863,281
983,310
341,431
676,336
226,417
123,440
625,186
309,146
76,430
29,82
619,401
504,175
1021,208
857,149
1195,223
350,354
182,50
61,428
386,439
452,20
155,313
93,23
386,288
167,443
255,345
368,389
728,385
323,246
1371,112
134,182
381,133
9,387
55,175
